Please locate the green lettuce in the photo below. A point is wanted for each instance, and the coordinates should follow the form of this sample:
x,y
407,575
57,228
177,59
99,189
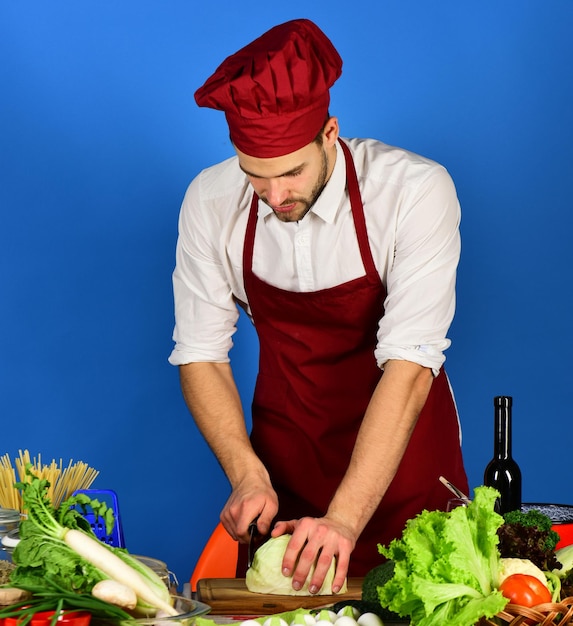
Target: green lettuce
x,y
446,565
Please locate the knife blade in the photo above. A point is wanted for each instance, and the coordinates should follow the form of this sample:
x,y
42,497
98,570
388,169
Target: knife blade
x,y
253,532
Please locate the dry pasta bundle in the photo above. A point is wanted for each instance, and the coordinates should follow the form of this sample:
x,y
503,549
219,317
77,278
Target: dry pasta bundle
x,y
63,480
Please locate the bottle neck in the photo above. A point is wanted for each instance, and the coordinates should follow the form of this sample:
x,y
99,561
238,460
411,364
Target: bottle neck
x,y
502,434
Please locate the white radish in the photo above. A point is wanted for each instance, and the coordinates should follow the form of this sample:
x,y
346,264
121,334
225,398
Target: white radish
x,y
97,554
115,593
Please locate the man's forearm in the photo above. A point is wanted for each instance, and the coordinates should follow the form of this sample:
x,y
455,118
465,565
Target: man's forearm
x,y
212,397
211,394
382,440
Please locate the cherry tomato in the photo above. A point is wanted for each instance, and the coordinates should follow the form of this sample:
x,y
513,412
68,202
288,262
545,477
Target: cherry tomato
x,y
525,590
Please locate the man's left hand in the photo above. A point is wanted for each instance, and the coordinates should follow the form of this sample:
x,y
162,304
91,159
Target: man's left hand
x,y
315,541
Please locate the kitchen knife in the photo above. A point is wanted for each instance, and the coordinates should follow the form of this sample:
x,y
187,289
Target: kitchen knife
x,y
253,533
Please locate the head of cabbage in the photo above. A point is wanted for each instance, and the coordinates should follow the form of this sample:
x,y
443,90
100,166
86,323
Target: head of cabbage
x,y
265,574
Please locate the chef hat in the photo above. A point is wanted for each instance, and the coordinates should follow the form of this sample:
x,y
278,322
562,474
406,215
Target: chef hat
x,y
275,90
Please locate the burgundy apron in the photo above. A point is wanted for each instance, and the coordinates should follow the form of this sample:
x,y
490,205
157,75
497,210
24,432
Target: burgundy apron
x,y
317,373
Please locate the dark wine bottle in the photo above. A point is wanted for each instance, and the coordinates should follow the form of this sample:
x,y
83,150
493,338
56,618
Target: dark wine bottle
x,y
502,472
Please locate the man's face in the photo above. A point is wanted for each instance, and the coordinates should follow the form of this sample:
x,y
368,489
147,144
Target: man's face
x,y
290,184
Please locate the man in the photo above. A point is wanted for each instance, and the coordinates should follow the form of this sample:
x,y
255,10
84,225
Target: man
x,y
344,254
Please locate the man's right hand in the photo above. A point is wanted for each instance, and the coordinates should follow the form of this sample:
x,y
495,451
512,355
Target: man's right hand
x,y
253,498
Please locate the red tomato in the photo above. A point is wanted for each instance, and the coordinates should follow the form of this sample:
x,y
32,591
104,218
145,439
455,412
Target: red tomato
x,y
525,590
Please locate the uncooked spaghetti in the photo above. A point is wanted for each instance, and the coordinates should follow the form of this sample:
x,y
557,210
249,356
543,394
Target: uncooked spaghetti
x,y
63,480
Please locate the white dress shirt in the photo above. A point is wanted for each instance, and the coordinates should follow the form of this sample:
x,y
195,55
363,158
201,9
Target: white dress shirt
x,y
412,217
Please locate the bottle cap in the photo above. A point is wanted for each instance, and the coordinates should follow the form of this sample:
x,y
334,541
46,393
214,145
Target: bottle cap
x,y
503,401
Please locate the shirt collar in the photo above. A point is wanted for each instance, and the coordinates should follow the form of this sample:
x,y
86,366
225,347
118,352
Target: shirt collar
x,y
328,203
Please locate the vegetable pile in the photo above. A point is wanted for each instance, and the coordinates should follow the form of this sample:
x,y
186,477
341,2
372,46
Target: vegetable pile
x,y
60,560
455,568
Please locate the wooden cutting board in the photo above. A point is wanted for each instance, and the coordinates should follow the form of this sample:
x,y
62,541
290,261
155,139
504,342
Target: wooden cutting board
x,y
230,596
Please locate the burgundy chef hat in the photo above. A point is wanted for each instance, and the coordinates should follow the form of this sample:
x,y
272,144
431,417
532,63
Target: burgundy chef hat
x,y
275,90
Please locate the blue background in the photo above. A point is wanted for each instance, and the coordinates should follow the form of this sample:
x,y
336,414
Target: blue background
x,y
100,136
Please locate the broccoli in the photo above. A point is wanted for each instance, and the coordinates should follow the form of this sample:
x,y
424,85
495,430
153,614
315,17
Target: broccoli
x,y
375,578
528,535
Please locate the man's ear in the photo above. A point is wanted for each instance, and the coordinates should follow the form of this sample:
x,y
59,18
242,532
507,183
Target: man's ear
x,y
331,132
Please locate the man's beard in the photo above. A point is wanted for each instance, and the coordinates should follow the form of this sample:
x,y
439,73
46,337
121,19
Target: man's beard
x,y
307,203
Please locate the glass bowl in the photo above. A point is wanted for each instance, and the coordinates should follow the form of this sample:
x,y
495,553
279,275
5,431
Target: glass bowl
x,y
161,569
189,610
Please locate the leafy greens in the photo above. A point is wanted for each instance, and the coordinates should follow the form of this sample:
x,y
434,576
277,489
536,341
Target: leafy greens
x,y
446,565
42,559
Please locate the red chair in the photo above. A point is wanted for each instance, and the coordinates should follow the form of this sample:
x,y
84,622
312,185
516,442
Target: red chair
x,y
218,559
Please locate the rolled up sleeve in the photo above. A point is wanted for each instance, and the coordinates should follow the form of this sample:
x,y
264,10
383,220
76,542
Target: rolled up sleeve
x,y
205,310
421,278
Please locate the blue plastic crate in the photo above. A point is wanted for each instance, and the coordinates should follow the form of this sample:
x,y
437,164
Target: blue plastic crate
x,y
115,538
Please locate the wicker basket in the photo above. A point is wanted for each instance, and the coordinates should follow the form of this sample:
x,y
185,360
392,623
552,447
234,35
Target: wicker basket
x,y
549,614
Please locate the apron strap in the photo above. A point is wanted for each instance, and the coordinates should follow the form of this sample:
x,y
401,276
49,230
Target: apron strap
x,y
358,211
